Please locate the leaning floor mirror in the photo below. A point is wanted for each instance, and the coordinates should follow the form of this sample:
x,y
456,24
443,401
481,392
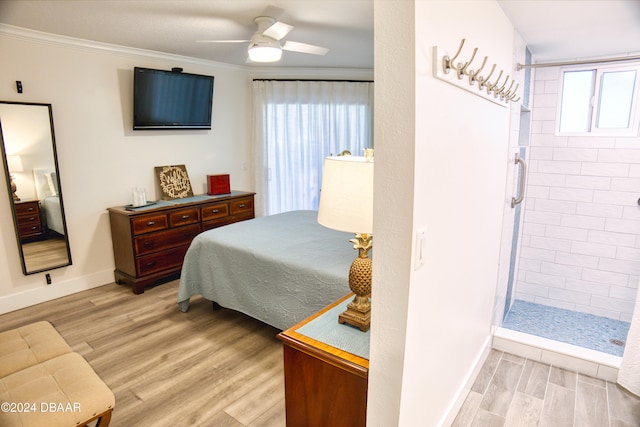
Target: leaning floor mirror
x,y
35,195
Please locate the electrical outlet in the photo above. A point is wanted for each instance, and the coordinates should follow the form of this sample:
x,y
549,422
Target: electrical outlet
x,y
48,277
420,248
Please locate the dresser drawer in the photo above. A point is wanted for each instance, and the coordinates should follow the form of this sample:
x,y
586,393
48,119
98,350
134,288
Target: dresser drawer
x,y
149,223
25,208
162,240
28,220
166,260
241,206
216,211
29,229
184,217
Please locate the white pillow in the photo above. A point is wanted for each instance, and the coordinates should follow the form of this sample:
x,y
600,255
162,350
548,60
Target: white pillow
x,y
52,182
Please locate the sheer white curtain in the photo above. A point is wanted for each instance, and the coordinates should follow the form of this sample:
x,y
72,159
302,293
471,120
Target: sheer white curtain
x,y
299,123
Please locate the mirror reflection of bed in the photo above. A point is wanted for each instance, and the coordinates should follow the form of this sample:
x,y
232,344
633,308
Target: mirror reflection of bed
x,y
50,250
28,148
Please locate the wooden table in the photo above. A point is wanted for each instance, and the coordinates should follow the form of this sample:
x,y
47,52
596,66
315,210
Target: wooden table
x,y
326,371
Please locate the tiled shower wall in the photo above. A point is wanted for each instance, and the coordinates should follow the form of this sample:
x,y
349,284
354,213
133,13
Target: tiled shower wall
x,y
581,232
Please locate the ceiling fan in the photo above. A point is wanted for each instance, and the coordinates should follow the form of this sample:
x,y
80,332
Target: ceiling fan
x,y
264,45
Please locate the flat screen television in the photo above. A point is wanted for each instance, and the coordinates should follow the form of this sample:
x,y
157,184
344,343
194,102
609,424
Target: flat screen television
x,y
171,99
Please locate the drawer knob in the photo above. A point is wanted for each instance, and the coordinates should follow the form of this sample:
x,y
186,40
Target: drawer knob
x,y
242,205
185,216
149,243
30,209
34,228
151,264
150,223
215,211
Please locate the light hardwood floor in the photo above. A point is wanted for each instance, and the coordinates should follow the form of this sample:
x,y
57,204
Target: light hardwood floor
x,y
223,369
168,368
511,391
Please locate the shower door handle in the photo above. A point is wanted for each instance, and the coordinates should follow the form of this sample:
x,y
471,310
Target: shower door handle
x,y
523,177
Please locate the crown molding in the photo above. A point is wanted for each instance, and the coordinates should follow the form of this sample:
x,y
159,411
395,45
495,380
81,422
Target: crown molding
x,y
255,71
73,42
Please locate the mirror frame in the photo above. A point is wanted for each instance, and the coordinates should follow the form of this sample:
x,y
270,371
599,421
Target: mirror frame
x,y
10,191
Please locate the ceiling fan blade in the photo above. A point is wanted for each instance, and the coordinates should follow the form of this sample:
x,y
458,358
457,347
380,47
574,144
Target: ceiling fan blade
x,y
222,41
278,30
305,48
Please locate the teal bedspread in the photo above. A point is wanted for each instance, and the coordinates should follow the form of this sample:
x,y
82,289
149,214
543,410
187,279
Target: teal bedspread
x,y
279,269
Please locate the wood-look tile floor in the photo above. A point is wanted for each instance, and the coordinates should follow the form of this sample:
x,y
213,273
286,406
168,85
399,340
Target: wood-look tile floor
x,y
511,391
223,369
167,368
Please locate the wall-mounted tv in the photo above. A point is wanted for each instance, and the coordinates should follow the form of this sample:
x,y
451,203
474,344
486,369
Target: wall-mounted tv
x,y
171,99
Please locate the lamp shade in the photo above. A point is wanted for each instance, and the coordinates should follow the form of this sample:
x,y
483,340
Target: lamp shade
x,y
15,164
346,197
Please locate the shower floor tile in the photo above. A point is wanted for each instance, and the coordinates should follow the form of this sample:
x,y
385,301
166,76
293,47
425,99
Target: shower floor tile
x,y
571,327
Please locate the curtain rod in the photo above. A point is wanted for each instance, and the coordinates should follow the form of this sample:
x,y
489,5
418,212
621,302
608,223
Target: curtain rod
x,y
311,80
590,61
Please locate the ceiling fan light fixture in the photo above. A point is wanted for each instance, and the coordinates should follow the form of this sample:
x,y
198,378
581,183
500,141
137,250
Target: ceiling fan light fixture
x,y
261,53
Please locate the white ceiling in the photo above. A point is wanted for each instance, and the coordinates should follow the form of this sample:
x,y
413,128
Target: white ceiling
x,y
553,29
570,29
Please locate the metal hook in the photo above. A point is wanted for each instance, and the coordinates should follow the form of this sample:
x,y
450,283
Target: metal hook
x,y
447,63
498,92
462,69
510,95
483,80
504,94
472,75
497,88
491,87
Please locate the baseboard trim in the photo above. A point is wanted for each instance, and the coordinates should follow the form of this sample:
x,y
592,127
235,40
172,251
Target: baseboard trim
x,y
464,390
60,289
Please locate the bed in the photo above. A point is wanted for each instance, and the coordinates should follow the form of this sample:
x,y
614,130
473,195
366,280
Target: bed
x,y
47,192
279,269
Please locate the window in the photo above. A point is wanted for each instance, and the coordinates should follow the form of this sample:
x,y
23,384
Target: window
x,y
297,125
599,101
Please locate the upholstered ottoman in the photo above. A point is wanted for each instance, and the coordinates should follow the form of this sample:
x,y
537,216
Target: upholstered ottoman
x,y
29,345
44,383
60,392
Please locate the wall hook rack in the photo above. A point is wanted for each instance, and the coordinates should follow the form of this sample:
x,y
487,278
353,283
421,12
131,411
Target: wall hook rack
x,y
452,71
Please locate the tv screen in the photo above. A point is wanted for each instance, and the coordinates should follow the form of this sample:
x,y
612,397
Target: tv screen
x,y
171,99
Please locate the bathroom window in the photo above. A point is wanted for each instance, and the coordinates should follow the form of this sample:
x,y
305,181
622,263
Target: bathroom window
x,y
599,101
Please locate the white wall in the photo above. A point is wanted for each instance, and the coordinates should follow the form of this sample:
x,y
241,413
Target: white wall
x,y
581,245
394,136
442,162
90,87
100,156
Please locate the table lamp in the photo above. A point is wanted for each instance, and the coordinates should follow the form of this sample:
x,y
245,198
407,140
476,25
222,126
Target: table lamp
x,y
14,164
346,204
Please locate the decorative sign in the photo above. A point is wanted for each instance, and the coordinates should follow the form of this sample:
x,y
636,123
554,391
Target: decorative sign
x,y
174,182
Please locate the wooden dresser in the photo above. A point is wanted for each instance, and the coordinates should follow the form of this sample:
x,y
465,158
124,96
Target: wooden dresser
x,y
326,370
149,243
28,219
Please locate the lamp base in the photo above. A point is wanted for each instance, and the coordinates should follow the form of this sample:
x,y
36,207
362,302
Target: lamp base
x,y
13,189
357,314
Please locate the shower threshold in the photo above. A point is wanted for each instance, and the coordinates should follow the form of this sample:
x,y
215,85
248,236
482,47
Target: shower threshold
x,y
577,341
568,356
